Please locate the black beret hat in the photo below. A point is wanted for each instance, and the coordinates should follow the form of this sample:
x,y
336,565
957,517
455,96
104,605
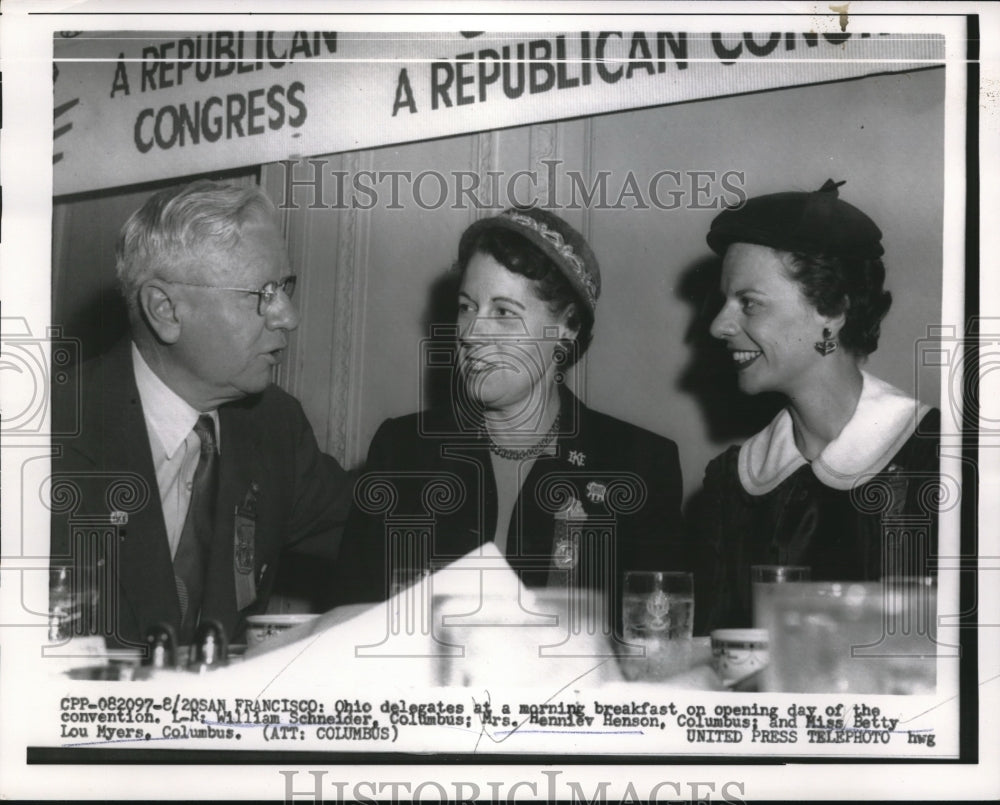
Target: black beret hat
x,y
559,241
816,223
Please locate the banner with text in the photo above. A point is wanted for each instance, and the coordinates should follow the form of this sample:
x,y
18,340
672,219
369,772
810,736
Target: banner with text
x,y
140,106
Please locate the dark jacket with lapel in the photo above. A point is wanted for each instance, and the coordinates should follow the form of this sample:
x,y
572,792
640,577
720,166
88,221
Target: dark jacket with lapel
x,y
104,482
426,469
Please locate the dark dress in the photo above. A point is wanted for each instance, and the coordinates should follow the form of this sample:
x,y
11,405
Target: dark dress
x,y
884,525
607,500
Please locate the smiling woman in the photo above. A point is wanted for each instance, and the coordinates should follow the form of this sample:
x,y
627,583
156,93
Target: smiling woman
x,y
571,497
802,282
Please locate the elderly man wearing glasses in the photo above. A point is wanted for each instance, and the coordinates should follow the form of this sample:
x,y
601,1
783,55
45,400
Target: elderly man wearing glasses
x,y
198,469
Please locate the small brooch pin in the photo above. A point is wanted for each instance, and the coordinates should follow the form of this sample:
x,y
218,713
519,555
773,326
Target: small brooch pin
x,y
596,492
565,553
573,510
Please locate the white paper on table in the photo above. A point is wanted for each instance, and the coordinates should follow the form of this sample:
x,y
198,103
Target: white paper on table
x,y
488,629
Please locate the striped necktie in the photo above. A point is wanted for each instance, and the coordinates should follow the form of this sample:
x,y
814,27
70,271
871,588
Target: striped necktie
x,y
196,535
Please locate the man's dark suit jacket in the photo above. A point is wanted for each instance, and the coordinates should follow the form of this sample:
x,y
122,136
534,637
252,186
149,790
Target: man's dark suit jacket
x,y
427,468
287,491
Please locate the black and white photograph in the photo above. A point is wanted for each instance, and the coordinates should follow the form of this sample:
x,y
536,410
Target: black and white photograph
x,y
486,402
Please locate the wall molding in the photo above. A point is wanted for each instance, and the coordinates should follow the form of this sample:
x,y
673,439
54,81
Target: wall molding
x,y
542,144
346,366
332,310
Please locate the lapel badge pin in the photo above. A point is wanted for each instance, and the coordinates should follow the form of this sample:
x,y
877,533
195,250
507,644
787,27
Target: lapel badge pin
x,y
572,510
565,554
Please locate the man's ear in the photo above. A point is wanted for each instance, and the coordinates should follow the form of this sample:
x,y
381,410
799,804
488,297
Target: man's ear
x,y
160,310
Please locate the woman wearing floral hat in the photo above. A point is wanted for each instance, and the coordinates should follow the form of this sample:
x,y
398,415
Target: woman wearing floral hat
x,y
568,495
802,281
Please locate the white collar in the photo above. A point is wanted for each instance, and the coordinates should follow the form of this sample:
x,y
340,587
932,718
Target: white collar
x,y
168,417
884,419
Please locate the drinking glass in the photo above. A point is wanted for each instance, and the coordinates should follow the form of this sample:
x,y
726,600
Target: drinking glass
x,y
849,637
72,603
658,615
765,577
908,646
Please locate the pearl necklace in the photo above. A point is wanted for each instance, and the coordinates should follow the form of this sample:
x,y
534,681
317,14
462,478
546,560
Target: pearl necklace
x,y
523,453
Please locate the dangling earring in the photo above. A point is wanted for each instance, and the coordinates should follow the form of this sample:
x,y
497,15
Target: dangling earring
x,y
560,357
827,345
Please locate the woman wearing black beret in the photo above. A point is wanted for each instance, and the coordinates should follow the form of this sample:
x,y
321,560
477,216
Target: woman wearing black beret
x,y
802,280
568,495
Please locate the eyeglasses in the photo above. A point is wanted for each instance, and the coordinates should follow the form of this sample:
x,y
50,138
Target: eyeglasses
x,y
266,294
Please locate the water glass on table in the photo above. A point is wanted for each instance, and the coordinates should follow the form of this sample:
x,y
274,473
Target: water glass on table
x,y
764,578
852,637
658,616
72,603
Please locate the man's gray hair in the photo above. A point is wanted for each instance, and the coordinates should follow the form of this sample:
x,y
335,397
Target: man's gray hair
x,y
172,229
